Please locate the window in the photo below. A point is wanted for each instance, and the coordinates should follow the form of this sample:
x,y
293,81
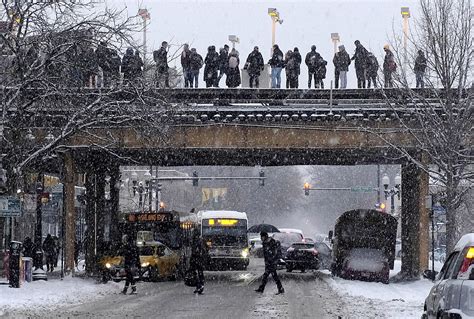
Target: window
x,y
451,263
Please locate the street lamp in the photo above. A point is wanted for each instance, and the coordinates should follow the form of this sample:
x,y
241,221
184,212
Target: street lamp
x,y
335,39
393,191
275,16
234,39
145,16
405,15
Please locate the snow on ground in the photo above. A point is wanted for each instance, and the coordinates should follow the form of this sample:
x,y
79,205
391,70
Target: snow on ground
x,y
395,300
52,293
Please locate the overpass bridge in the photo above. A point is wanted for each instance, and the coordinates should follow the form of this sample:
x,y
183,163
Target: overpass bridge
x,y
249,127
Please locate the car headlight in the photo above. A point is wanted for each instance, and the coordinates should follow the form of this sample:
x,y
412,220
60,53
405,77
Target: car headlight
x,y
145,264
245,253
108,265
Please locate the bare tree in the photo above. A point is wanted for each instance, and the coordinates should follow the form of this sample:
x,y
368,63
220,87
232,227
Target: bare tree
x,y
439,118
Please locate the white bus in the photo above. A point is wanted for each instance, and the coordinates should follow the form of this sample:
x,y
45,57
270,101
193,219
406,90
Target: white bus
x,y
225,233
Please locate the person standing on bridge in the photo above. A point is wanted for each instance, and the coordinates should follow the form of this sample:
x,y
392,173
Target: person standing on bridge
x,y
271,253
276,63
233,79
185,64
212,67
297,58
360,59
161,59
223,63
131,262
420,68
372,69
254,66
389,66
341,61
195,64
312,59
199,257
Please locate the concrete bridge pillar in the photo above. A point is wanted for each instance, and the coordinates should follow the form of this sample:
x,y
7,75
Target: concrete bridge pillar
x,y
415,221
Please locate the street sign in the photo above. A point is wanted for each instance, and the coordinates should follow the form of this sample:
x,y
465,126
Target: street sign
x,y
10,207
364,189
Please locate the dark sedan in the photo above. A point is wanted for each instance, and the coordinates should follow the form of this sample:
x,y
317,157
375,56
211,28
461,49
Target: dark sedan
x,y
301,256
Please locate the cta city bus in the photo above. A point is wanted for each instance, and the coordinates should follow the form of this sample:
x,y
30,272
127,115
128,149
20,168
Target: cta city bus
x,y
225,232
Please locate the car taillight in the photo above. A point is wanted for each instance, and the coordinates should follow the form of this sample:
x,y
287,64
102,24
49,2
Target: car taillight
x,y
468,260
315,252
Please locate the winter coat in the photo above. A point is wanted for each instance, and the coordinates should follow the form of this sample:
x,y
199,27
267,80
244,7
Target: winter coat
x,y
271,253
223,60
277,59
161,59
137,64
212,65
297,58
28,248
372,65
131,256
341,61
48,246
389,64
291,66
199,253
114,61
420,63
127,61
360,57
312,60
186,59
195,61
321,69
254,64
233,72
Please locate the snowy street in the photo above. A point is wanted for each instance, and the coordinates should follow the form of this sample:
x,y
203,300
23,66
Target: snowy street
x,y
228,294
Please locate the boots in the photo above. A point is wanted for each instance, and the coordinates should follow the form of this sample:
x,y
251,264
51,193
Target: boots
x,y
124,291
260,289
134,290
280,291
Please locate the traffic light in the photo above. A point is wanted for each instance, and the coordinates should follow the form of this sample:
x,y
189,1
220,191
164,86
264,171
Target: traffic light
x,y
195,178
262,178
306,189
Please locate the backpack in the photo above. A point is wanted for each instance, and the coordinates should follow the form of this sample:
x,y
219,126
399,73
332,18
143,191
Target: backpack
x,y
233,62
392,66
313,60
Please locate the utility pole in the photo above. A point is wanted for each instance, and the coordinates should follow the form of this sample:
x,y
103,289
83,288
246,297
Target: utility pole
x,y
405,15
145,16
275,16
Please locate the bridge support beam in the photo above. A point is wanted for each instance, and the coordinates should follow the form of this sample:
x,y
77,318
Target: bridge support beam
x,y
414,222
70,211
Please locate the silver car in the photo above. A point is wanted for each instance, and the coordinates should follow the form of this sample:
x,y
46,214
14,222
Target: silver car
x,y
452,295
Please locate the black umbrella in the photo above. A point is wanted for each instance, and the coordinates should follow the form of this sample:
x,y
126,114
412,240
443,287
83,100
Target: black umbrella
x,y
263,227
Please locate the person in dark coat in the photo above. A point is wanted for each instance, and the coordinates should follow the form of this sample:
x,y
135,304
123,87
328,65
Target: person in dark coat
x,y
131,262
360,61
389,66
341,61
114,63
161,59
185,64
103,60
254,66
291,68
212,67
276,63
297,58
28,247
199,257
372,69
126,67
420,68
49,249
137,65
312,60
320,74
223,62
195,64
233,72
271,255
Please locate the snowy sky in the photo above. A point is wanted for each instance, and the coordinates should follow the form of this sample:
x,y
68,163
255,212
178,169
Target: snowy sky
x,y
202,23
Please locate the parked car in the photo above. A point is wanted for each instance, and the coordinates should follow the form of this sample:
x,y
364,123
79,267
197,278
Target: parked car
x,y
292,231
453,290
325,255
255,244
301,256
286,240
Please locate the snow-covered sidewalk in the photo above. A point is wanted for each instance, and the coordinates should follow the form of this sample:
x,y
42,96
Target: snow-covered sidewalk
x,y
395,300
51,294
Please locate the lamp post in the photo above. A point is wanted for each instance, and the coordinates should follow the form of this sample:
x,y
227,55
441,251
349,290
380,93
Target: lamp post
x,y
335,39
405,15
145,16
275,16
392,191
234,39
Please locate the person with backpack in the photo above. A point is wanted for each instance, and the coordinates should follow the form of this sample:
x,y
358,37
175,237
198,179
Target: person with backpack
x,y
271,253
320,74
389,66
420,68
233,72
372,69
341,61
360,61
211,68
161,59
195,64
312,59
254,66
223,62
277,64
